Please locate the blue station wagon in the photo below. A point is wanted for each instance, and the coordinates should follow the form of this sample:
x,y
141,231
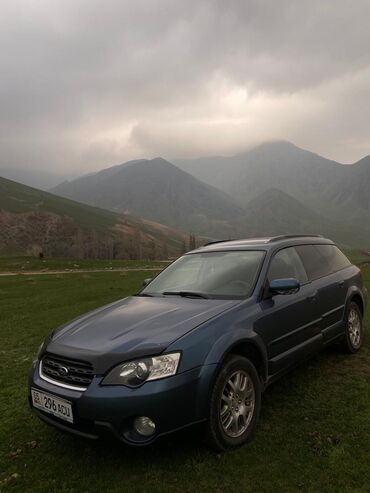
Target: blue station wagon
x,y
200,342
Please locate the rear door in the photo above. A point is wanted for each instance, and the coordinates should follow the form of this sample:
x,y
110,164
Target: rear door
x,y
289,324
325,266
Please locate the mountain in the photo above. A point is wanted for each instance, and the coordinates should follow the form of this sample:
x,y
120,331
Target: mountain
x,y
157,190
280,165
355,181
42,179
274,188
32,221
274,212
331,189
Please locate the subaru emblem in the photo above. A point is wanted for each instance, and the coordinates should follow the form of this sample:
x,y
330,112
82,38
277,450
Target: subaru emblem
x,y
63,371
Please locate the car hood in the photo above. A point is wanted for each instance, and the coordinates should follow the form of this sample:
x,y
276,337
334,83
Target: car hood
x,y
132,327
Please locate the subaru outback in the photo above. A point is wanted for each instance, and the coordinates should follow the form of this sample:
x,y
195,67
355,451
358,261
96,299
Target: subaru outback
x,y
200,342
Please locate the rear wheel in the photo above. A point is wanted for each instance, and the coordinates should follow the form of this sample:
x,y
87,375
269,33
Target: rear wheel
x,y
235,404
354,333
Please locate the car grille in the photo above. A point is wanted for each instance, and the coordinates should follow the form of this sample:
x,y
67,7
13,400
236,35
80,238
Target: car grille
x,y
66,372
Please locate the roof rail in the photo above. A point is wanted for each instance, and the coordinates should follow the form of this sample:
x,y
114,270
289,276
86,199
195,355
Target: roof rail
x,y
217,241
287,237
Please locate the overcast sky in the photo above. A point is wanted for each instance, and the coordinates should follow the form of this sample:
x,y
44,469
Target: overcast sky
x,y
90,83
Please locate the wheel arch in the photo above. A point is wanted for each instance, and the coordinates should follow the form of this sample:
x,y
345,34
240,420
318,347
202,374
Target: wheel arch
x,y
357,298
250,347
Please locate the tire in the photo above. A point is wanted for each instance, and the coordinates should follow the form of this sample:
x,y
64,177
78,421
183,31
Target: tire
x,y
354,331
234,405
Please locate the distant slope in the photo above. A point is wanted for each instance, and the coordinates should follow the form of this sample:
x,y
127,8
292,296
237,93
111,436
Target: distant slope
x,y
33,220
280,188
274,212
353,185
15,197
157,190
41,179
280,165
331,189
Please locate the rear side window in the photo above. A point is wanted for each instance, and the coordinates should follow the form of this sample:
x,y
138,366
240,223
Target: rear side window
x,y
287,264
314,262
321,260
334,257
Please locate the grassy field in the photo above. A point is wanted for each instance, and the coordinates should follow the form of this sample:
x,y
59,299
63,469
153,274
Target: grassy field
x,y
24,264
358,257
313,435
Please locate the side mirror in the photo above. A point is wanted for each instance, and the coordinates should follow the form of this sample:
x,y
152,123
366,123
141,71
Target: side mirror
x,y
284,286
147,281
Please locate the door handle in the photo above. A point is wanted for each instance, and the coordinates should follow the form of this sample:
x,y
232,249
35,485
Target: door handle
x,y
311,298
341,283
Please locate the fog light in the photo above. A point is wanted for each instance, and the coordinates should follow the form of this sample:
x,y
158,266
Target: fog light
x,y
144,426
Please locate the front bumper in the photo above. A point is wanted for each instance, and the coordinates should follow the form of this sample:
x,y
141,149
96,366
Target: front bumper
x,y
172,403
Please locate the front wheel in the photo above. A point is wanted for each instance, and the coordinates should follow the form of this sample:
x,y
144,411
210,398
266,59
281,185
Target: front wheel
x,y
235,404
354,332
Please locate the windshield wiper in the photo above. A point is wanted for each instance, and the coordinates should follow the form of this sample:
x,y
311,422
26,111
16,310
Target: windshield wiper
x,y
145,294
186,294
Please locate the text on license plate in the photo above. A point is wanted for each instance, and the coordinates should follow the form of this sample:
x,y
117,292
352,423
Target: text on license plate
x,y
52,405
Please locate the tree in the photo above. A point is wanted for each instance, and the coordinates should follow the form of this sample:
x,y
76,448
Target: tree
x,y
164,253
137,244
192,242
153,250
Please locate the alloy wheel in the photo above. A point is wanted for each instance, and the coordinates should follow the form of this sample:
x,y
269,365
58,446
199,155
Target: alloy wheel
x,y
237,404
354,328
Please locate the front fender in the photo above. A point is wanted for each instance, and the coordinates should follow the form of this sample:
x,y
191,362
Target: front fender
x,y
213,362
228,341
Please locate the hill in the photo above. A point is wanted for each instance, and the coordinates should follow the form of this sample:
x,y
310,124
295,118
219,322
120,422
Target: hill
x,y
280,165
274,212
157,190
331,189
354,185
32,220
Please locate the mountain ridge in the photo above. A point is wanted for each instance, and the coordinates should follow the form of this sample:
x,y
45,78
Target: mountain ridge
x,y
328,187
158,190
32,220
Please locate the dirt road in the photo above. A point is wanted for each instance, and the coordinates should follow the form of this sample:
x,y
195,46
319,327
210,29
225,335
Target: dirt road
x,y
74,271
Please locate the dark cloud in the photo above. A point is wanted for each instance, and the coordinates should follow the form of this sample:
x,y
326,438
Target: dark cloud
x,y
86,83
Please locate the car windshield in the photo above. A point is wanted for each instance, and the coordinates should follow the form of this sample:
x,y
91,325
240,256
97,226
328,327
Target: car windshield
x,y
230,275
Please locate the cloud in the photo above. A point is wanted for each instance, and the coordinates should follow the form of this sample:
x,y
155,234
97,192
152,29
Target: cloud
x,y
86,83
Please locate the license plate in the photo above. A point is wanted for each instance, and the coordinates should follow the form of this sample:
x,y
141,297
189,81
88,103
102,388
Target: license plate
x,y
52,405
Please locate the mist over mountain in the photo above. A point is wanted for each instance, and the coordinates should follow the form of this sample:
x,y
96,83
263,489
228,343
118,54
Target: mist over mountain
x,y
354,186
275,188
280,165
274,212
328,187
157,190
33,177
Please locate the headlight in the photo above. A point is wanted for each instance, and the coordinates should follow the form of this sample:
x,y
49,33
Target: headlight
x,y
135,373
39,351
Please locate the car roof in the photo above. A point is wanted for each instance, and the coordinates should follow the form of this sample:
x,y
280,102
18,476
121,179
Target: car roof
x,y
262,243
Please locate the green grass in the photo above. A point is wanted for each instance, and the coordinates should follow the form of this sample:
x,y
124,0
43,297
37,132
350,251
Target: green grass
x,y
15,197
358,256
24,264
313,434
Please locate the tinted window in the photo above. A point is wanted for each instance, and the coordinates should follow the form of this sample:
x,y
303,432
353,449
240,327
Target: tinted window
x,y
335,259
313,261
322,260
287,264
